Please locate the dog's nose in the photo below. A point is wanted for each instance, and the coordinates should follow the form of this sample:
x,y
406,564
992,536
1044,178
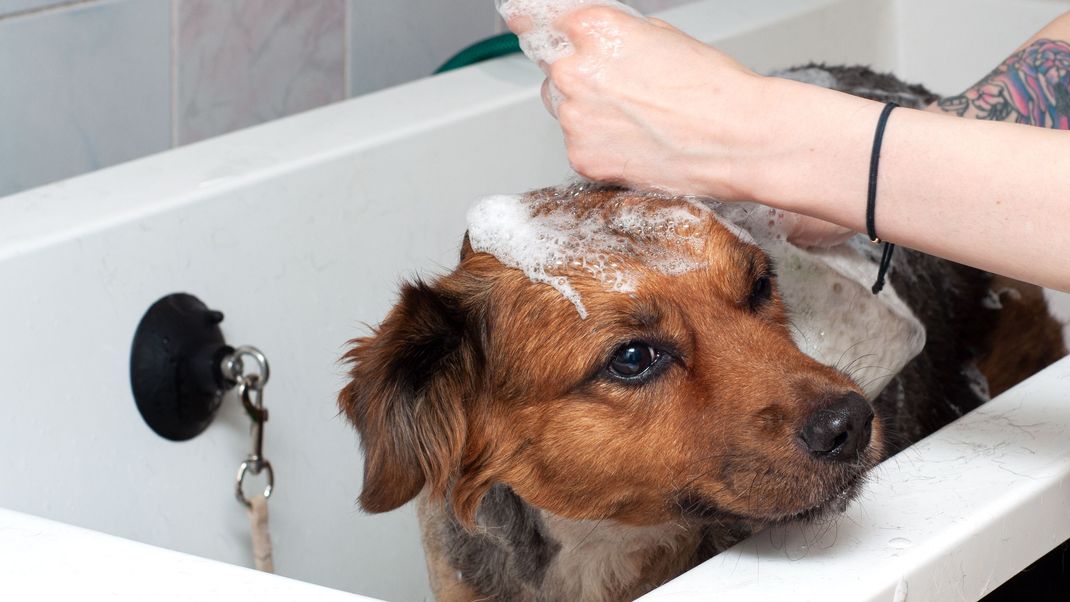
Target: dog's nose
x,y
839,431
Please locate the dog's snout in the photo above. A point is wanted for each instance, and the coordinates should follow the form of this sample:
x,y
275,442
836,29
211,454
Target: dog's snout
x,y
839,431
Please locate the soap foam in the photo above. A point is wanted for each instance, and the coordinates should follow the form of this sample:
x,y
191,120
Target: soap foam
x,y
552,233
543,42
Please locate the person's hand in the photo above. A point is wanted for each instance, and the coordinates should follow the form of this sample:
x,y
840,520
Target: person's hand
x,y
644,104
806,231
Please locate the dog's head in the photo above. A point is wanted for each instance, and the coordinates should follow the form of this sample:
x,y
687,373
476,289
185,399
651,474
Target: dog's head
x,y
680,394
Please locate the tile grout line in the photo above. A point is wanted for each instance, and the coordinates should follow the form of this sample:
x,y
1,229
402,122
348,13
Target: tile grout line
x,y
46,9
346,48
174,72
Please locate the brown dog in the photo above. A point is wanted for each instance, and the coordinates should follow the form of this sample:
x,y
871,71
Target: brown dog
x,y
559,457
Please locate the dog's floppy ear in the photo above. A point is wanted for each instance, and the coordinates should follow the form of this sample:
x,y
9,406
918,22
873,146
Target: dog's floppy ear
x,y
406,397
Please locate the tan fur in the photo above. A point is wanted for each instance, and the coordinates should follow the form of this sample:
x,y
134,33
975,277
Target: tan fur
x,y
446,582
595,553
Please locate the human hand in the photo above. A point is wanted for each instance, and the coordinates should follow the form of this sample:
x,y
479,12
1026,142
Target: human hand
x,y
806,231
643,104
629,119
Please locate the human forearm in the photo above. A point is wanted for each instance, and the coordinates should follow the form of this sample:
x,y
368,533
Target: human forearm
x,y
991,195
1032,86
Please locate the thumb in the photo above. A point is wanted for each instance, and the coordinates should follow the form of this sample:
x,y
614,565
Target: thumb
x,y
659,23
519,24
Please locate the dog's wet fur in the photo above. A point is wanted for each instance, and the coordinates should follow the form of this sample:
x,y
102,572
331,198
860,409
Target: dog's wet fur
x,y
543,475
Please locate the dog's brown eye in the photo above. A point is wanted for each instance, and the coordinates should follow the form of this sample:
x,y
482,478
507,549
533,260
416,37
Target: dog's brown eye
x,y
761,292
633,360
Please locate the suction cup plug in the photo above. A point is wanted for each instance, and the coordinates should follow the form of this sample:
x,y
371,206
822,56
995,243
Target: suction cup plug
x,y
175,369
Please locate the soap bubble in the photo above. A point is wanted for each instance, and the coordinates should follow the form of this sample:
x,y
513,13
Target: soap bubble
x,y
548,235
543,42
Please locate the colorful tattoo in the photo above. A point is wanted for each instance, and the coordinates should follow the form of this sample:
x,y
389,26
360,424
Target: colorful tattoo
x,y
1032,86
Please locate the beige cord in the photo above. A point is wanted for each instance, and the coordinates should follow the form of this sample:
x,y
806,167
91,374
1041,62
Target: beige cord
x,y
258,520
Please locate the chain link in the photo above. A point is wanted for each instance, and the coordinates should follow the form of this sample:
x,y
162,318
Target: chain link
x,y
251,392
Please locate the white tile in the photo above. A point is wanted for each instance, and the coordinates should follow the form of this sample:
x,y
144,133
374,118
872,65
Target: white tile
x,y
243,62
83,88
402,40
949,45
8,7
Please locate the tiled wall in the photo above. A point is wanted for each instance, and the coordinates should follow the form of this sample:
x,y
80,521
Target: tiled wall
x,y
82,88
242,62
89,83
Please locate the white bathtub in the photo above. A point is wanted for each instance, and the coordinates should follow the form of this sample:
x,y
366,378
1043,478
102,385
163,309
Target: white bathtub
x,y
300,230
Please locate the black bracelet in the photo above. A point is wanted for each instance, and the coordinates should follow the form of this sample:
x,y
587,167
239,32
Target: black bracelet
x,y
871,199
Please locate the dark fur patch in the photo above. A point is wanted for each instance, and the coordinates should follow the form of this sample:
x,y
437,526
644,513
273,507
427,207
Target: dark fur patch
x,y
404,399
435,334
936,387
881,87
510,551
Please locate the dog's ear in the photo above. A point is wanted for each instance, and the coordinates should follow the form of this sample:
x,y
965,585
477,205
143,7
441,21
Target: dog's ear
x,y
466,247
406,397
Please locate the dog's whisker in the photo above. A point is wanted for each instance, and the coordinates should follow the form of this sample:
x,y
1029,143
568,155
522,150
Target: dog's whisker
x,y
875,379
883,369
857,359
799,331
844,353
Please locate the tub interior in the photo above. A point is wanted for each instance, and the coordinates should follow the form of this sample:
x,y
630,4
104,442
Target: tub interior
x,y
300,232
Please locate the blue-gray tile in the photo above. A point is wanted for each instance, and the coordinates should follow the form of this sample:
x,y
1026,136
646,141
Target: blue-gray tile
x,y
83,87
402,40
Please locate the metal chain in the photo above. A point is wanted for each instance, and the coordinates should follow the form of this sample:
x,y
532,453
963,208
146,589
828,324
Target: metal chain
x,y
251,392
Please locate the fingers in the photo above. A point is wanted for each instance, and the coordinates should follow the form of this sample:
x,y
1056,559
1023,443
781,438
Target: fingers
x,y
812,232
551,97
656,22
519,24
579,24
546,100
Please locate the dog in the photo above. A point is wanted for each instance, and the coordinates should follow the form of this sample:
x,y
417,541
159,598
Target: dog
x,y
560,454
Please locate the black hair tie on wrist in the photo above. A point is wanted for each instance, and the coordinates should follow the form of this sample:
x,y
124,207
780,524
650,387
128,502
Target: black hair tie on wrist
x,y
871,199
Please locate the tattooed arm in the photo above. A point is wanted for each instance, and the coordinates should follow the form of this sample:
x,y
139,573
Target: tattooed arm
x,y
1032,86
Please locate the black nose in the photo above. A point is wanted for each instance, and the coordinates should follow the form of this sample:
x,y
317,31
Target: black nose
x,y
839,431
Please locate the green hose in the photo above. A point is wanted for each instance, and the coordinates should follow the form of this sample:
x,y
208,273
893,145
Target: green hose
x,y
490,48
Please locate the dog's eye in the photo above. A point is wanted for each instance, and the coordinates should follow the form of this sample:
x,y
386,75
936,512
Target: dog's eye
x,y
633,360
761,292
